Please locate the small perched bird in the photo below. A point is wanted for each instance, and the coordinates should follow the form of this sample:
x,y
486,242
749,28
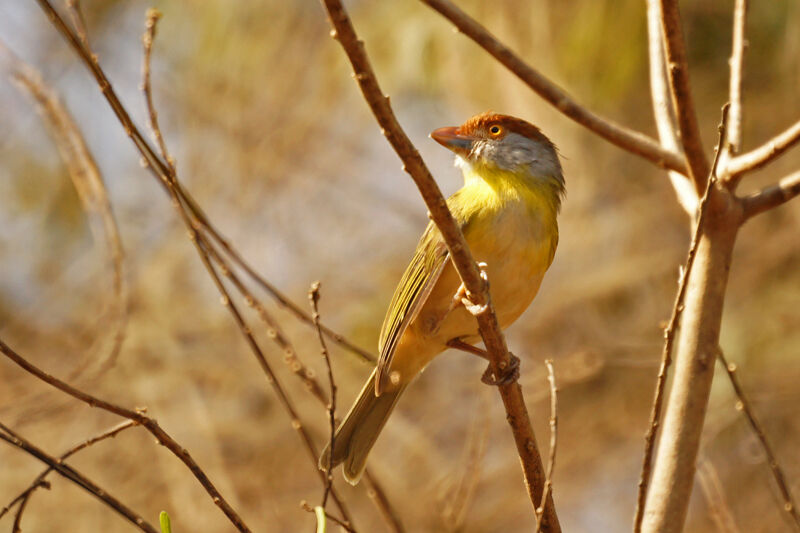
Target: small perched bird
x,y
507,211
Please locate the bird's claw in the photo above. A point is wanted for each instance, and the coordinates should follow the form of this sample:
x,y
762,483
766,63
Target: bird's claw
x,y
508,376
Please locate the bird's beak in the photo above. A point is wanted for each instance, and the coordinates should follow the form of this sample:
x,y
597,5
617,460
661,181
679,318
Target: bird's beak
x,y
452,139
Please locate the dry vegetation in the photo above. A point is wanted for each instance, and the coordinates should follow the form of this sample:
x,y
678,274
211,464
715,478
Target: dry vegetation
x,y
258,108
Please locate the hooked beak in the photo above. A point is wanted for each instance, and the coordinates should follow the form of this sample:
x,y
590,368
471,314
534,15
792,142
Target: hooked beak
x,y
451,138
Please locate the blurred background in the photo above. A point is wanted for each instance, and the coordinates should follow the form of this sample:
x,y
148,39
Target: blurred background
x,y
273,139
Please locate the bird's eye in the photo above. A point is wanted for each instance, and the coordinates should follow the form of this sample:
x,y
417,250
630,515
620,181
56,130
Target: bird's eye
x,y
495,130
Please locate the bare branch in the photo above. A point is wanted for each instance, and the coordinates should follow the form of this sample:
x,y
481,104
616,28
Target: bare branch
x,y
678,70
477,287
76,477
140,418
313,296
758,157
772,196
669,334
742,404
663,110
40,480
625,138
551,459
737,70
151,20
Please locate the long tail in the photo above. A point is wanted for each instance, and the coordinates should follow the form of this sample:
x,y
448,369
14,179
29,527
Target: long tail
x,y
359,430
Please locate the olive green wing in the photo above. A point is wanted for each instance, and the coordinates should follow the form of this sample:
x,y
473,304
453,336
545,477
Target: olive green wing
x,y
414,288
410,295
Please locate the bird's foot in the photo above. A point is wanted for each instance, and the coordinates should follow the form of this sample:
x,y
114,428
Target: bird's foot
x,y
507,376
463,295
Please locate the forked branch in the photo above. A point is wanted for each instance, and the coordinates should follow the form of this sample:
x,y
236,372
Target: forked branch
x,y
55,463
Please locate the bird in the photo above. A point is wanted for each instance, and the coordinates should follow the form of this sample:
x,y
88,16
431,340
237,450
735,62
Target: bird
x,y
507,211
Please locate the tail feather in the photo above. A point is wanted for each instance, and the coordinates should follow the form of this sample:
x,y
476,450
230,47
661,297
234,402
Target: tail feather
x,y
359,430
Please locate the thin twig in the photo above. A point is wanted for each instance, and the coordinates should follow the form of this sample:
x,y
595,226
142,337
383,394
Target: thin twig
x,y
162,437
471,277
313,297
40,480
739,43
625,138
669,333
678,70
551,459
743,405
758,157
76,477
772,196
151,21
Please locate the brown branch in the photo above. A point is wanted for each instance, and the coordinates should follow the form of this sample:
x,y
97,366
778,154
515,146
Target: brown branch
x,y
313,296
669,334
40,480
772,196
90,186
151,21
629,140
76,477
758,157
150,424
742,404
551,459
678,71
663,109
737,69
476,285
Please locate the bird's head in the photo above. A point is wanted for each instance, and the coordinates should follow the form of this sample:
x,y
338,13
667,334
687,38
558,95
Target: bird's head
x,y
502,143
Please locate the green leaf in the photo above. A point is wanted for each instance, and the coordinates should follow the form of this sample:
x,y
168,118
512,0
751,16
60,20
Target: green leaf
x,y
163,519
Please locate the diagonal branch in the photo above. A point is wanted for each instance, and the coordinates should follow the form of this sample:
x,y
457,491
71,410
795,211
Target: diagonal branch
x,y
678,70
771,196
625,138
742,404
758,157
76,477
477,287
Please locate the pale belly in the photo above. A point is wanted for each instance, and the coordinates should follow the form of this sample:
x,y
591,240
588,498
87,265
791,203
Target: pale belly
x,y
517,256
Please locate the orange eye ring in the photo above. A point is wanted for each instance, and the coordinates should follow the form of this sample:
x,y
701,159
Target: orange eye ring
x,y
495,130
